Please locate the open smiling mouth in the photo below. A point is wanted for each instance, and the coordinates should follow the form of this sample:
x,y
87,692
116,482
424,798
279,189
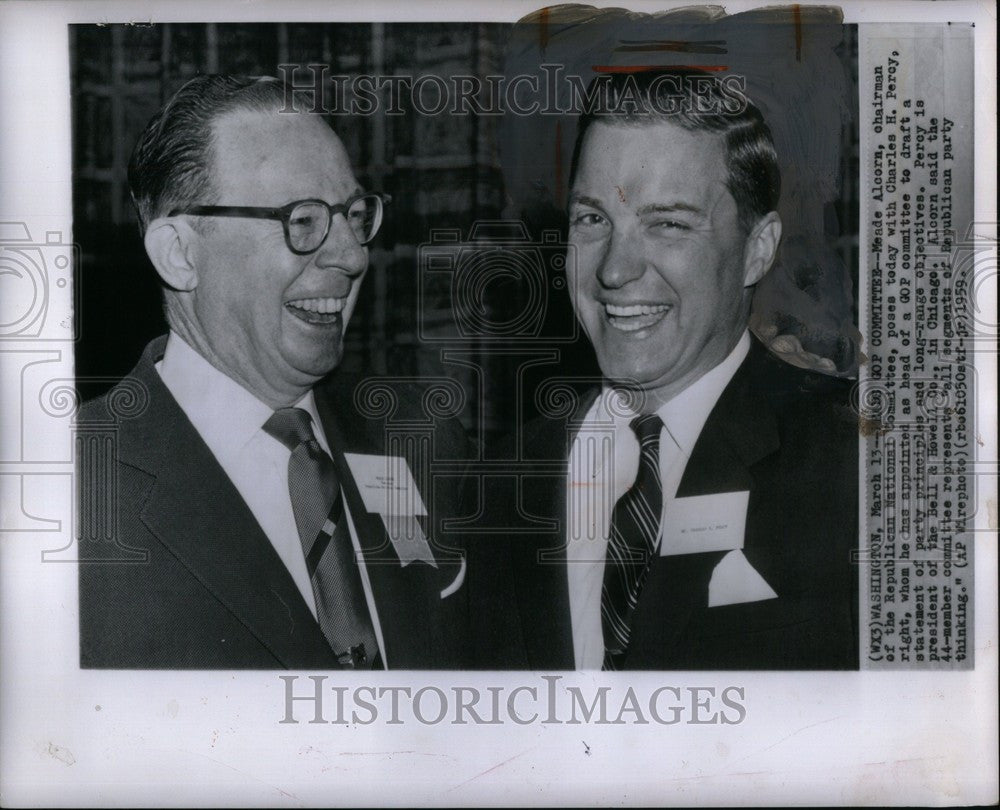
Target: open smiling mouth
x,y
634,317
317,310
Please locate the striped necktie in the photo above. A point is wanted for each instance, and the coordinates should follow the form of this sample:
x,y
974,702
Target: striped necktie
x,y
318,506
635,532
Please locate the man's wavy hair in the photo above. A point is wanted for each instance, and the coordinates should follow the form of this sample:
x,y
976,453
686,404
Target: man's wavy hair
x,y
701,102
171,165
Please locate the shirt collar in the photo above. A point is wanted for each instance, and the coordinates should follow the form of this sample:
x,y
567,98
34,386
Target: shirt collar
x,y
222,410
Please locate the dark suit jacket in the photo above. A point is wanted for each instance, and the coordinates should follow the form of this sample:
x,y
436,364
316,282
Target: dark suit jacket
x,y
788,436
175,572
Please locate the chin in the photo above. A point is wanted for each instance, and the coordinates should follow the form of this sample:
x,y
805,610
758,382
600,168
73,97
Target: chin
x,y
321,370
632,374
317,367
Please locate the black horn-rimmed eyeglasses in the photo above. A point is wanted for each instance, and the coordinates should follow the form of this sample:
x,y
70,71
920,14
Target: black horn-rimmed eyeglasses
x,y
307,222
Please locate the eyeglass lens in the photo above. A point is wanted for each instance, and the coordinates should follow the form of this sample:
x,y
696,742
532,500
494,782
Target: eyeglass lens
x,y
308,223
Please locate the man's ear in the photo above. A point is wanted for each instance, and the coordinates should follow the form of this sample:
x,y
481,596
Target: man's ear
x,y
170,246
761,248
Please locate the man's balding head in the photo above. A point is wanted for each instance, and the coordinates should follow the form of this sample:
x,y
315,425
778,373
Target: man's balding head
x,y
171,165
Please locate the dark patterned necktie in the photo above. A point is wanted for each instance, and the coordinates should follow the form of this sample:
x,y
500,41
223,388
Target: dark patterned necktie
x,y
635,530
326,542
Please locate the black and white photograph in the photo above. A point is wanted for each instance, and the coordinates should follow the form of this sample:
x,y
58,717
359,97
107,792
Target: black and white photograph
x,y
450,405
180,568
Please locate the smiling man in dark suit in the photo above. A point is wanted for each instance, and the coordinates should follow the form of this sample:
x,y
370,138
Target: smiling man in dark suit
x,y
707,515
259,501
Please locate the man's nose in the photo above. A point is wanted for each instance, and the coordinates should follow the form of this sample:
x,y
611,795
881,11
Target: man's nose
x,y
341,248
621,263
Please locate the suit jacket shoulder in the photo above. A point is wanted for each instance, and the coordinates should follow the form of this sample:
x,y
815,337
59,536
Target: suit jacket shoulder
x,y
175,572
789,438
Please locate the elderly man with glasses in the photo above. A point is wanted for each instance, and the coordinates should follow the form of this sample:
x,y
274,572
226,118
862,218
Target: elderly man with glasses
x,y
246,487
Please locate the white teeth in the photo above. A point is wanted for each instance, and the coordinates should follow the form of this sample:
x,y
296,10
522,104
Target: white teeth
x,y
634,310
323,305
624,326
634,317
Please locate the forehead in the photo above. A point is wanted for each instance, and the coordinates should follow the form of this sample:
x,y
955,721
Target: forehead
x,y
641,160
274,158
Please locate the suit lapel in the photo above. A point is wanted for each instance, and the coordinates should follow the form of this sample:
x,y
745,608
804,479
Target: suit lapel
x,y
198,515
406,598
739,432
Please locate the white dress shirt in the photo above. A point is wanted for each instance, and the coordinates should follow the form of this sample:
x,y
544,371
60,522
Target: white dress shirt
x,y
603,464
231,420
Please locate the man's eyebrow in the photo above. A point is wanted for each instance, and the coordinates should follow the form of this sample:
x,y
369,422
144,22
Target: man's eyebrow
x,y
358,191
583,199
669,208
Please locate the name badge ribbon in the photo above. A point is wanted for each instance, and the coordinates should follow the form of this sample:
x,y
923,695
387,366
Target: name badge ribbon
x,y
388,490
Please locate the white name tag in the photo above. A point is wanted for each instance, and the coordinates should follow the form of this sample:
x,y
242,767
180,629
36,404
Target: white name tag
x,y
705,523
386,484
388,489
